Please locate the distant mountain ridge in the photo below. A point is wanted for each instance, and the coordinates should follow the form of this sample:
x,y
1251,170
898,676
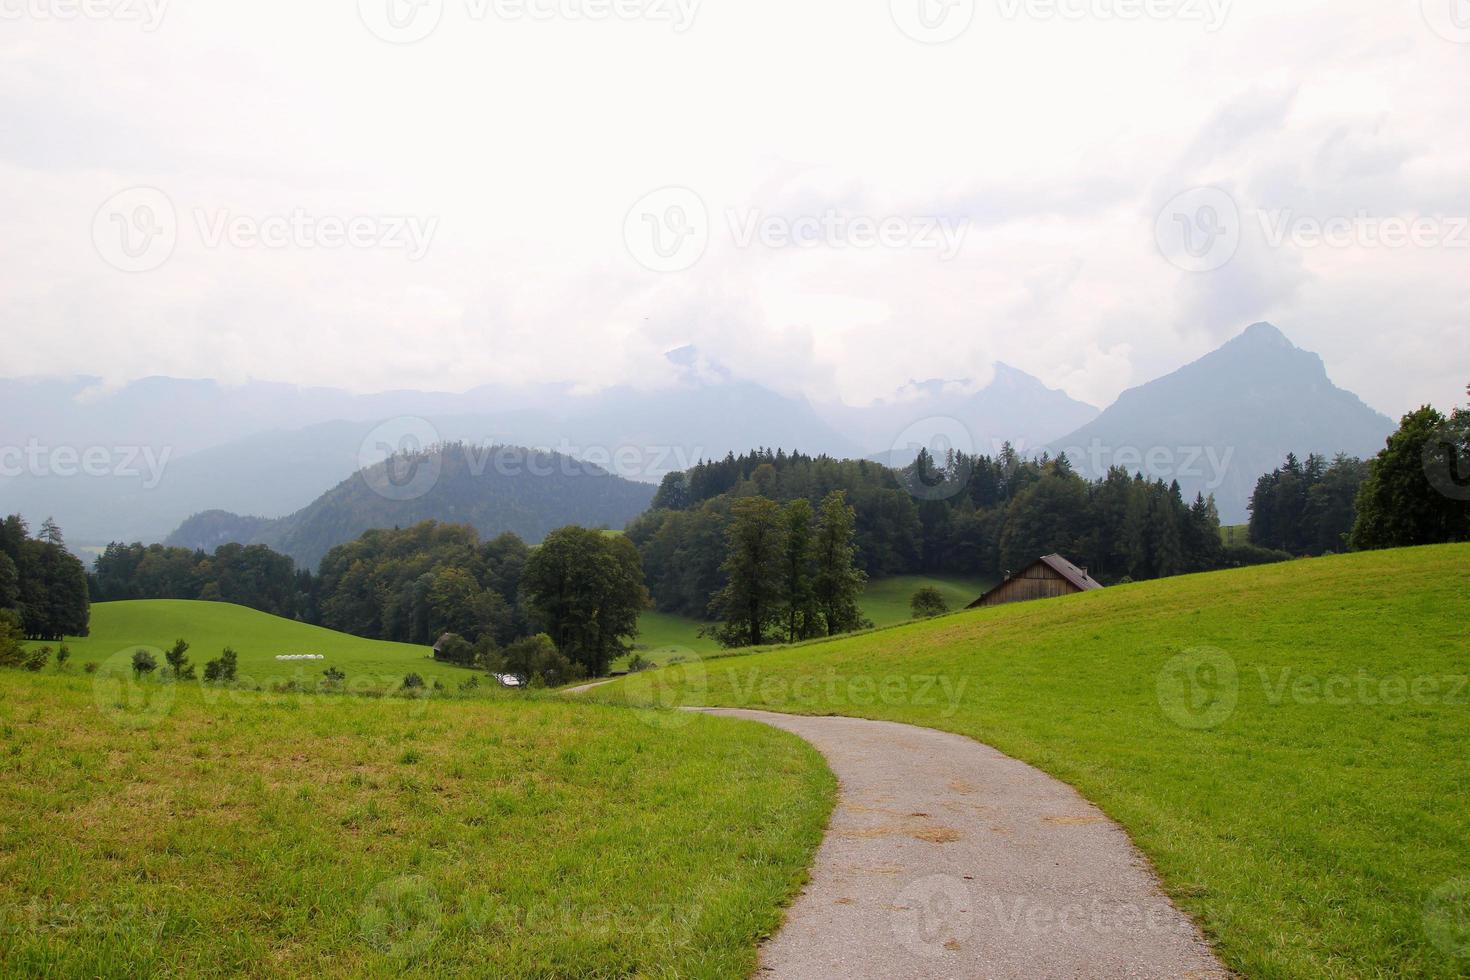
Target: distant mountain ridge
x,y
495,489
1014,407
271,449
1220,422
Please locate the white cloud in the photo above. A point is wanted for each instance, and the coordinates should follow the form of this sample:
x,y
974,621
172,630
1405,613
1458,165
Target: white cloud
x,y
1055,140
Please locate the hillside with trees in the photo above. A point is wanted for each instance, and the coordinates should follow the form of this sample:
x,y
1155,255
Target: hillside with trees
x,y
965,515
43,587
494,489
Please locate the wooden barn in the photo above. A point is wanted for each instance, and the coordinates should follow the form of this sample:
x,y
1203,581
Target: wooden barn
x,y
1044,578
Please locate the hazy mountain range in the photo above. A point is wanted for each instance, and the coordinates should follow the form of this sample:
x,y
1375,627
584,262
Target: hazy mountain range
x,y
493,488
1217,424
135,462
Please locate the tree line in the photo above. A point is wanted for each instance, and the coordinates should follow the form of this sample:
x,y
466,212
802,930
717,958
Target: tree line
x,y
43,587
1416,491
970,515
582,589
247,575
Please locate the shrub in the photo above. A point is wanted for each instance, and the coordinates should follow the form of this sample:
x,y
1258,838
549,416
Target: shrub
x,y
178,661
90,668
12,651
413,682
472,684
144,662
63,654
223,669
1242,555
928,602
538,659
334,675
37,659
455,649
638,665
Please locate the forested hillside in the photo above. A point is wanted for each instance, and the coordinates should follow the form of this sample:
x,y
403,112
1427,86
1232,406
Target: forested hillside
x,y
494,489
970,515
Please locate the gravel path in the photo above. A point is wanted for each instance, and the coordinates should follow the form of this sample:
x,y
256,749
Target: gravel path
x,y
946,859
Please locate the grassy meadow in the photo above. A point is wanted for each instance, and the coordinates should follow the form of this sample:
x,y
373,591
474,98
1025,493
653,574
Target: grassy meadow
x,y
886,600
663,636
1289,744
118,628
224,832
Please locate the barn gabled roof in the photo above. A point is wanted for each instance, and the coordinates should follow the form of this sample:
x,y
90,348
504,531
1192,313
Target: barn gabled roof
x,y
1070,572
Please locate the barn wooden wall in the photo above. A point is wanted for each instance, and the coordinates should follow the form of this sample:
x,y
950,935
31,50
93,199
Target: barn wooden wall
x,y
1039,582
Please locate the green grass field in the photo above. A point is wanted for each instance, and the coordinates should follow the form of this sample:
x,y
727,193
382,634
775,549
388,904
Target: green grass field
x,y
118,628
1235,534
319,835
1289,744
886,601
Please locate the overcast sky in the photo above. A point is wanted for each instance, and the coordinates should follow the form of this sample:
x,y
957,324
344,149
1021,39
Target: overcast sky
x,y
1095,191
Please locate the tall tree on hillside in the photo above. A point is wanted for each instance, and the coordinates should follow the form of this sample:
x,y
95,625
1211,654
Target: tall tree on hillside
x,y
749,607
797,571
838,582
1417,488
586,590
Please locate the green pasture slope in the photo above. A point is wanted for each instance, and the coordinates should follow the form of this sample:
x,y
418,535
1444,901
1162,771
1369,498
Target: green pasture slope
x,y
118,628
1289,744
220,833
885,601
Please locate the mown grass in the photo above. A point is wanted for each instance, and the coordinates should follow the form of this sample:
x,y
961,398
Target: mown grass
x,y
289,835
118,628
663,636
1290,744
886,601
